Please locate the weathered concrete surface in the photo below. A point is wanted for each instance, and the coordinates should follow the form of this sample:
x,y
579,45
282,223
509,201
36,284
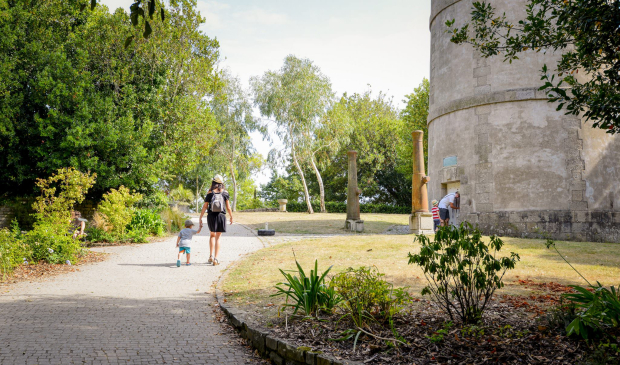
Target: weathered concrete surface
x,y
419,193
515,152
135,307
353,192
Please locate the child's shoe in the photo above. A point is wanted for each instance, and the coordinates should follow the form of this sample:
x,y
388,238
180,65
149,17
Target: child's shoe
x,y
178,263
210,261
216,262
188,264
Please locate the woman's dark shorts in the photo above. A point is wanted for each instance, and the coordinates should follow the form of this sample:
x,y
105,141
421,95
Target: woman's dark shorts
x,y
444,214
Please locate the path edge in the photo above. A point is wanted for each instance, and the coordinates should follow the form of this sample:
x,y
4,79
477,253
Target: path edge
x,y
268,346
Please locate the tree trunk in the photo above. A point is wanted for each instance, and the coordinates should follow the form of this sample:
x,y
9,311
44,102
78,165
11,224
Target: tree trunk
x,y
320,180
301,174
232,175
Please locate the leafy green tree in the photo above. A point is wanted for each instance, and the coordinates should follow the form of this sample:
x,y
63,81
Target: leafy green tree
x,y
584,31
376,133
323,139
414,117
233,111
295,96
75,96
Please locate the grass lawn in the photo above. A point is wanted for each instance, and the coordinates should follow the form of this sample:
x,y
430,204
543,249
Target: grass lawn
x,y
318,223
251,281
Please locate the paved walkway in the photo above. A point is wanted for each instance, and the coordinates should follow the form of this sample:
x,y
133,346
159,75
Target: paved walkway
x,y
136,307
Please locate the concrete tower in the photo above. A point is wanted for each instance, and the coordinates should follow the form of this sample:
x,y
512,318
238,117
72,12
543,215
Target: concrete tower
x,y
523,169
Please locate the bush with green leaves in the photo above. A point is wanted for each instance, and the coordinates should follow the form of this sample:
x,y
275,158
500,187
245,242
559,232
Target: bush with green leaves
x,y
12,250
309,293
117,208
174,220
462,270
596,308
52,243
367,297
147,220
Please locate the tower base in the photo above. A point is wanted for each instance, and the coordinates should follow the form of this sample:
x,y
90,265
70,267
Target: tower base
x,y
421,223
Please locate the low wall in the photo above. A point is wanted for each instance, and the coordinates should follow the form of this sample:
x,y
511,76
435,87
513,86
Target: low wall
x,y
584,226
259,210
87,209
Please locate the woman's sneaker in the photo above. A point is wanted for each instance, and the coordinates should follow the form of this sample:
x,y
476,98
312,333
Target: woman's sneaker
x,y
178,263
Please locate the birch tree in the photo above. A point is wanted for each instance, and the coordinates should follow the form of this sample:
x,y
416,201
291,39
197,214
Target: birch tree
x,y
233,111
295,96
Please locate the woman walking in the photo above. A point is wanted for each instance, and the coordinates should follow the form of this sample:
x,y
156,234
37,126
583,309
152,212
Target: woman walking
x,y
216,204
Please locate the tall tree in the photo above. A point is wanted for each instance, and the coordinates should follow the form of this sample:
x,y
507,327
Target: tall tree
x,y
233,111
414,117
584,31
375,134
75,96
295,96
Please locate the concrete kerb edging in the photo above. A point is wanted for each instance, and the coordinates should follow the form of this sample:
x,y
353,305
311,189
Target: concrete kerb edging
x,y
279,351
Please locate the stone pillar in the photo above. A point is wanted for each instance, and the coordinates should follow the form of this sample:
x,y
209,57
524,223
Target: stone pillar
x,y
420,220
282,203
353,221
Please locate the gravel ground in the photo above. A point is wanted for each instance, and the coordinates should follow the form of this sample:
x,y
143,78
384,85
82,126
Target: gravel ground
x,y
136,307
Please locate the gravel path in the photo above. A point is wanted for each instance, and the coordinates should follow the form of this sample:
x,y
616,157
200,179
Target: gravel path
x,y
136,307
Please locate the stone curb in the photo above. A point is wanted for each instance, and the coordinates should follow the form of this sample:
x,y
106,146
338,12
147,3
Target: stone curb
x,y
279,351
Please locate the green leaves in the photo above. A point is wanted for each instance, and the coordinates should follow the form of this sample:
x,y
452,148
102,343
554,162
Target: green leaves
x,y
462,270
584,31
308,293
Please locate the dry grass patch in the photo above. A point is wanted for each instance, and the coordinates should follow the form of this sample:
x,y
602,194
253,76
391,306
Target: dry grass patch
x,y
318,223
251,281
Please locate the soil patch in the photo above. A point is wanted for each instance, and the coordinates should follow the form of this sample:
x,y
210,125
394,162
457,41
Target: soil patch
x,y
43,271
515,330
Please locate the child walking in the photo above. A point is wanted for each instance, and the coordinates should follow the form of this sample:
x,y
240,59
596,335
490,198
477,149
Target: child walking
x,y
184,241
435,211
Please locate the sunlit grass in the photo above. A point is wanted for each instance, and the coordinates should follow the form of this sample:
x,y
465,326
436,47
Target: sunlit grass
x,y
326,223
253,279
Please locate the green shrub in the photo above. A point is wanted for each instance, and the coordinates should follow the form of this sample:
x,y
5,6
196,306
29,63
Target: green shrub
x,y
117,209
51,238
367,297
96,235
308,293
463,272
52,243
596,309
59,194
174,220
147,220
136,235
339,207
12,250
157,201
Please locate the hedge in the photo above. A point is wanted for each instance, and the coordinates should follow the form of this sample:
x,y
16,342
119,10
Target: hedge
x,y
339,207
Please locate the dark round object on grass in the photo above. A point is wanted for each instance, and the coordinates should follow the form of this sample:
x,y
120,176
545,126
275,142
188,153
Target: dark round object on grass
x,y
266,232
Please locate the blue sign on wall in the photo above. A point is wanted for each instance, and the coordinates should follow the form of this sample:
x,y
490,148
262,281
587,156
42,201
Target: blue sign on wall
x,y
449,161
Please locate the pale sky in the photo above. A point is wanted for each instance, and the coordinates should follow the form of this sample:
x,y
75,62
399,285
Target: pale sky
x,y
356,43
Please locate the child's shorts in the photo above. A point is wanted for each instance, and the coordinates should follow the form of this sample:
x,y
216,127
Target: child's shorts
x,y
186,249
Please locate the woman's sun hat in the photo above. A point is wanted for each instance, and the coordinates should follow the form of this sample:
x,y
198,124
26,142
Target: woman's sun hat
x,y
218,179
434,202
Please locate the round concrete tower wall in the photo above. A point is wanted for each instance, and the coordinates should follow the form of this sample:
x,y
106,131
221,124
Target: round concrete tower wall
x,y
522,168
